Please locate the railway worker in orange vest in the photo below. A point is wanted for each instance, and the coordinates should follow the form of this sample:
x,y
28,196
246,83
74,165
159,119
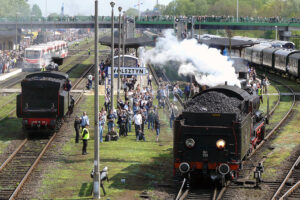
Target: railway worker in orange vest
x,y
85,134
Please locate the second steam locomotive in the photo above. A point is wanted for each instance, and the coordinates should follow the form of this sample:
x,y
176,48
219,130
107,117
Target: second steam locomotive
x,y
44,100
217,130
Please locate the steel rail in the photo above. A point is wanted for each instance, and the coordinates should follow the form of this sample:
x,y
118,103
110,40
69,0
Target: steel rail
x,y
9,101
13,155
290,191
20,185
285,179
178,197
11,112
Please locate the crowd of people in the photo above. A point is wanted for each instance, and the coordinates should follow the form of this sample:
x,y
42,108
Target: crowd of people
x,y
213,18
135,111
259,87
9,60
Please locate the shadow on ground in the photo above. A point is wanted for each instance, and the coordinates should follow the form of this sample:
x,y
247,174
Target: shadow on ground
x,y
144,176
11,129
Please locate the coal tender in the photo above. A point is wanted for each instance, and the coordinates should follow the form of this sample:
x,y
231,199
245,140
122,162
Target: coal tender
x,y
217,130
43,101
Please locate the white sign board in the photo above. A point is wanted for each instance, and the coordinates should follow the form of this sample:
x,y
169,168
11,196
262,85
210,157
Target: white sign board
x,y
139,71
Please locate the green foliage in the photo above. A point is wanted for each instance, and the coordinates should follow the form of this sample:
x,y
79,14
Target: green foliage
x,y
132,12
36,11
263,8
11,8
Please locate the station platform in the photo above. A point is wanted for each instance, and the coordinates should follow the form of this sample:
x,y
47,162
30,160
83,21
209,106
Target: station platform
x,y
10,74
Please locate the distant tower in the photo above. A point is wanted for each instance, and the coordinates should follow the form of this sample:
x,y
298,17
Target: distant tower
x,y
157,2
62,10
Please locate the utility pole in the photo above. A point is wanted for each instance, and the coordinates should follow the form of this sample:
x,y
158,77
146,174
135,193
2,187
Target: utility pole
x,y
229,34
237,10
46,9
192,30
119,61
96,187
16,31
139,7
112,4
123,38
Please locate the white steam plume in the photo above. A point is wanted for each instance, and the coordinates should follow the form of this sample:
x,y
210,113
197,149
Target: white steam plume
x,y
206,64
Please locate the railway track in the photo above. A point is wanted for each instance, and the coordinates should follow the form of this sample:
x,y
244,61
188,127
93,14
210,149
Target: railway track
x,y
289,187
199,193
16,169
156,79
255,157
192,192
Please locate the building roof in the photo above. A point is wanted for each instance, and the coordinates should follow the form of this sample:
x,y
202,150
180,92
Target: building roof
x,y
129,43
222,43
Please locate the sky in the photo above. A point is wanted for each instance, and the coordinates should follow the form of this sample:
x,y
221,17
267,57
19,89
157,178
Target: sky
x,y
86,7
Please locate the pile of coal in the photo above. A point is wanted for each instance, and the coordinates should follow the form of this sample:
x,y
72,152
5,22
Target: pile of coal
x,y
213,102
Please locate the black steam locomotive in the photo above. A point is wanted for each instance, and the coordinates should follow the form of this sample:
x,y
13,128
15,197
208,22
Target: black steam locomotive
x,y
44,101
217,130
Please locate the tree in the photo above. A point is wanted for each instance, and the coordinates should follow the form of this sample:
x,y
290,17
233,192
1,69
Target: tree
x,y
53,15
11,8
159,8
132,12
36,11
265,8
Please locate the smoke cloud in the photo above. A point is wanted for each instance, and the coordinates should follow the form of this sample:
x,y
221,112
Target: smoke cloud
x,y
207,64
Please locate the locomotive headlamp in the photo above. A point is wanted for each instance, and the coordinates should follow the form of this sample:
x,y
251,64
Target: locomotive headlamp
x,y
190,143
220,144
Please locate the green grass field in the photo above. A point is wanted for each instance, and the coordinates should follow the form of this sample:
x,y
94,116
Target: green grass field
x,y
142,164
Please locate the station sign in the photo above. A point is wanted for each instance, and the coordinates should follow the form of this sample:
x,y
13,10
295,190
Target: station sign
x,y
138,71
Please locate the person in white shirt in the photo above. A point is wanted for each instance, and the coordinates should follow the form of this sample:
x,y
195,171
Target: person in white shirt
x,y
137,118
90,81
149,80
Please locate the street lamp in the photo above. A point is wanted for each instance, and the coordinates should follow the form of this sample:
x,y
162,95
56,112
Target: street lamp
x,y
112,4
17,13
237,10
123,37
119,61
31,25
96,177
